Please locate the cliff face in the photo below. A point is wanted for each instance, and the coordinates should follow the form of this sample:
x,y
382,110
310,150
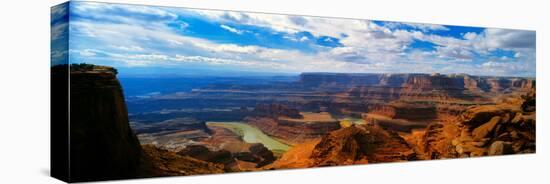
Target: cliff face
x,y
102,144
416,81
387,87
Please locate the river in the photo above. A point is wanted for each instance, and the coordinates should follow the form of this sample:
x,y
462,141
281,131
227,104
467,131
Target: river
x,y
252,134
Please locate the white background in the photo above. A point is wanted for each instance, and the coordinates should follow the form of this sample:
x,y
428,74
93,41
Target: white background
x,y
24,91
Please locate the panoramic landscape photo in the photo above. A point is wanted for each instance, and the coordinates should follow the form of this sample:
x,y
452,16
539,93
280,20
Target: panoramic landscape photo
x,y
163,91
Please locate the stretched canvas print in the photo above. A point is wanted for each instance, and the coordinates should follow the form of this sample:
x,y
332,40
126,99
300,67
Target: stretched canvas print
x,y
147,91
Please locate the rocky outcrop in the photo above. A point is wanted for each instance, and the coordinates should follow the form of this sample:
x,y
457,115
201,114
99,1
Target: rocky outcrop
x,y
361,144
500,148
505,128
478,115
294,128
203,153
258,155
263,155
344,147
358,144
102,144
158,162
435,142
224,139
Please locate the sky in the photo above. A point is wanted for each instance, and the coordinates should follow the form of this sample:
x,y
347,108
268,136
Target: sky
x,y
150,39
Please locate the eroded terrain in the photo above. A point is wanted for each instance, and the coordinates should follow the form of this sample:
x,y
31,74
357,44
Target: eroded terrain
x,y
322,119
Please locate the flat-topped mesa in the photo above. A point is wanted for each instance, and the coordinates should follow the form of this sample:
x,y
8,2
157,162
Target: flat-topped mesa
x,y
89,68
407,111
415,81
102,143
290,125
509,84
434,81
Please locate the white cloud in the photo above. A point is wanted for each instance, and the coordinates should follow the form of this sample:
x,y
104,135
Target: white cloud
x,y
231,29
509,39
366,46
128,48
380,44
59,30
420,26
87,53
455,52
149,56
470,36
109,11
428,27
137,63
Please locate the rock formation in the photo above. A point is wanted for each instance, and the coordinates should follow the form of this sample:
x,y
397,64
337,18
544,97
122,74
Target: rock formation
x,y
407,111
291,126
504,128
158,162
257,155
203,153
416,81
102,144
437,116
358,144
361,144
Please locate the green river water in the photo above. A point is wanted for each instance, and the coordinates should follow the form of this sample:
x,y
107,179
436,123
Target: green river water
x,y
252,134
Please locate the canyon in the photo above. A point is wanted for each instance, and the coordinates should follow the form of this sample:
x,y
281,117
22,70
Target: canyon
x,y
309,120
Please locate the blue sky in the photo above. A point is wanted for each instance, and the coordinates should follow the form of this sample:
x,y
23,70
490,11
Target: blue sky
x,y
134,38
59,34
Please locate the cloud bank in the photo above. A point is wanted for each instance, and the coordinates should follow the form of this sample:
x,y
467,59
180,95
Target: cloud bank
x,y
133,36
